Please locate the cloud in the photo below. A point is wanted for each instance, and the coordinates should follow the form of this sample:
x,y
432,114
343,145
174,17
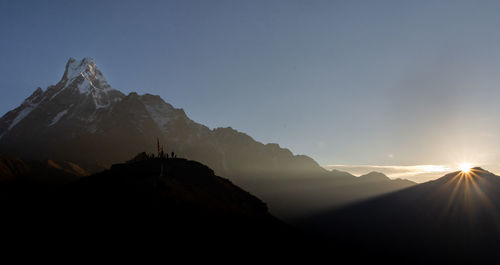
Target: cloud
x,y
418,173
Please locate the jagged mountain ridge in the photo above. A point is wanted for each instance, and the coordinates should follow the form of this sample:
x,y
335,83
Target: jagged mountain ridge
x,y
83,104
83,119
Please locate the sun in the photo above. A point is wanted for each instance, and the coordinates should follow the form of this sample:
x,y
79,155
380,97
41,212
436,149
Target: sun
x,y
465,167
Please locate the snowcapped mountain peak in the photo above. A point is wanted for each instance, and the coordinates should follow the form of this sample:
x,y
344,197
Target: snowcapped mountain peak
x,y
83,77
87,76
80,97
86,73
75,68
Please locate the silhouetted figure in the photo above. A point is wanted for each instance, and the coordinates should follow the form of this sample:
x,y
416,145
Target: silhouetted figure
x,y
173,155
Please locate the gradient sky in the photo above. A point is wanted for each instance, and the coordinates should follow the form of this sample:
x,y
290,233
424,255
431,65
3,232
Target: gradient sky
x,y
349,83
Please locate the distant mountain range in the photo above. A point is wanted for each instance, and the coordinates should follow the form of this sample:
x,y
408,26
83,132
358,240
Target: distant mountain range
x,y
452,220
84,120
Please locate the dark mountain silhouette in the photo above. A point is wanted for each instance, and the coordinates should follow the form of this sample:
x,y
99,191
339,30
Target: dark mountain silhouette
x,y
454,219
22,182
36,174
84,120
168,204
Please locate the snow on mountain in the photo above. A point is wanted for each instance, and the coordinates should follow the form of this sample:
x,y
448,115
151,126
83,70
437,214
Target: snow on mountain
x,y
58,117
85,78
89,80
15,116
22,114
85,68
82,89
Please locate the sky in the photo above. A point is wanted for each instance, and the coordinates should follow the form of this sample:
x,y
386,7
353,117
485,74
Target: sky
x,y
385,85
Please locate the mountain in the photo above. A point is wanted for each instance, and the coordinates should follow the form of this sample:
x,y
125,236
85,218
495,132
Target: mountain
x,y
84,120
16,172
21,180
314,194
454,219
165,204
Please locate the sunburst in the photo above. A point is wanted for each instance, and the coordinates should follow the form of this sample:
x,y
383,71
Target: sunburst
x,y
465,167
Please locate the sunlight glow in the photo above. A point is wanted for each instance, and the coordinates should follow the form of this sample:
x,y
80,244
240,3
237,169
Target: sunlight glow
x,y
465,167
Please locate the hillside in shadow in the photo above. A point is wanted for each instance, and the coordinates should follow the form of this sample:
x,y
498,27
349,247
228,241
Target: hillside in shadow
x,y
452,220
18,176
176,200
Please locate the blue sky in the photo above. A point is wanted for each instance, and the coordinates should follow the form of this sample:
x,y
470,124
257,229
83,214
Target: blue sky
x,y
386,83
